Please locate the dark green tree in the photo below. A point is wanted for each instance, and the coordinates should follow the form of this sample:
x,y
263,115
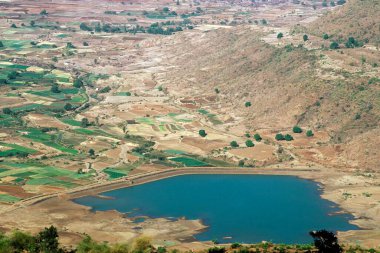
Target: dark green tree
x,y
309,133
326,242
43,13
234,144
6,110
305,37
248,104
249,143
1,44
78,83
202,133
55,88
91,152
257,137
325,36
288,137
297,130
280,35
279,137
334,45
84,123
47,240
68,107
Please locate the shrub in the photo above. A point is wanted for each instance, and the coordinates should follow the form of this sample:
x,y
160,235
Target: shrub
x,y
305,37
234,144
249,143
91,152
279,137
280,35
309,133
78,83
325,36
235,245
297,130
202,133
1,44
84,123
105,89
216,250
248,104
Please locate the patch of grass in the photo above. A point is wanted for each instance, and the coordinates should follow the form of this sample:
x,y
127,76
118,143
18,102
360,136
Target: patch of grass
x,y
70,121
174,152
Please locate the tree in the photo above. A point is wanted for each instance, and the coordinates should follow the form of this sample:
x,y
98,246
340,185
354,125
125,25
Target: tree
x,y
326,242
324,3
13,26
234,144
43,13
84,122
85,27
309,133
68,107
332,3
78,83
6,110
288,137
280,35
91,152
247,104
341,2
166,9
305,37
257,137
85,44
1,44
32,23
54,88
325,36
202,133
217,91
249,143
13,75
297,130
334,45
279,137
47,240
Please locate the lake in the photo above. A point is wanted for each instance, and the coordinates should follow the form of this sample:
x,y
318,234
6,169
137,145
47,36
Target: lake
x,y
247,208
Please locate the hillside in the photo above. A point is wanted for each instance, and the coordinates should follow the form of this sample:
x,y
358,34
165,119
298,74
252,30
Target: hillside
x,y
286,86
357,18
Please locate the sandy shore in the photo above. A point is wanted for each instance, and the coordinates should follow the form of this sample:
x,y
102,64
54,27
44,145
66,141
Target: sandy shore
x,y
74,220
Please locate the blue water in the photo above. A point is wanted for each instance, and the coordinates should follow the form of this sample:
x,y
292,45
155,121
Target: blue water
x,y
248,208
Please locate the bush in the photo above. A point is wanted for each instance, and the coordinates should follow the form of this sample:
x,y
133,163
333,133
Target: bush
x,y
297,130
248,104
249,143
309,133
78,83
279,137
305,37
325,36
68,107
280,35
234,144
105,89
1,44
84,123
235,245
202,133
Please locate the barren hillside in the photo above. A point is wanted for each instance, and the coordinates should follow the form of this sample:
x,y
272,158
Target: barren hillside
x,y
357,18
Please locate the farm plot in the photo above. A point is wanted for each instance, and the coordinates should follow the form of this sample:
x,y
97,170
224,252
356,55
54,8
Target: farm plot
x,y
14,150
47,139
38,174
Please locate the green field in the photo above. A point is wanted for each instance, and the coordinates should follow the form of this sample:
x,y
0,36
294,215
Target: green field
x,y
15,149
8,198
47,139
70,121
38,174
189,162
